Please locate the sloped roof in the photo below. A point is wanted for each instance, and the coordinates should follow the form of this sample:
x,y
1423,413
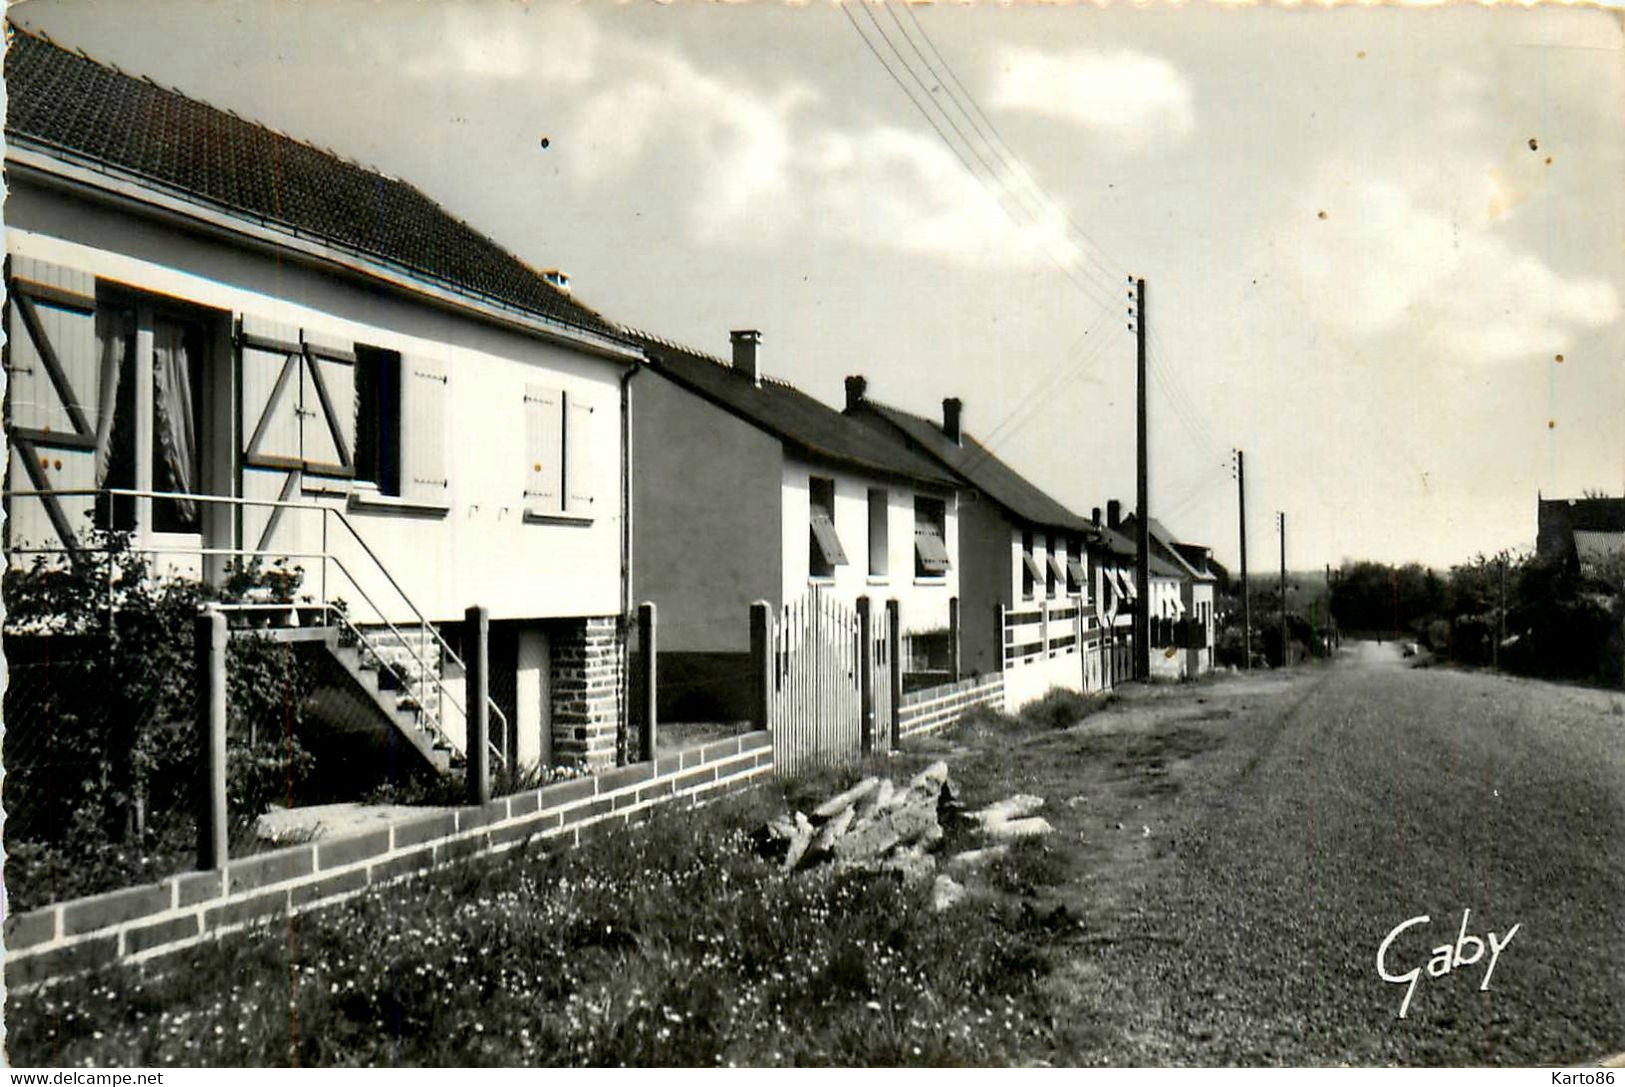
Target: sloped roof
x,y
779,408
975,464
1164,551
80,109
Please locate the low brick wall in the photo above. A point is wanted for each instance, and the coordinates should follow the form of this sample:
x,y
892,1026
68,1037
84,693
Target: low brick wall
x,y
937,707
143,922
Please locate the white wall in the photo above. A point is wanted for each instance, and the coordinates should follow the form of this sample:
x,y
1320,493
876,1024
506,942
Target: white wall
x,y
923,601
481,550
1028,682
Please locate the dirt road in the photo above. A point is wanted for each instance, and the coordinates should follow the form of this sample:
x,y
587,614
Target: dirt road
x,y
1276,829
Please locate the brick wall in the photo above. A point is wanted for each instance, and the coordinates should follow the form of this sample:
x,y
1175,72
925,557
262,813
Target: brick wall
x,y
138,923
933,708
589,691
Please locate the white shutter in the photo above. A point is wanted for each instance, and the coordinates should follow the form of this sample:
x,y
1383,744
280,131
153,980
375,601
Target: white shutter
x,y
328,428
53,361
425,396
580,431
544,450
271,366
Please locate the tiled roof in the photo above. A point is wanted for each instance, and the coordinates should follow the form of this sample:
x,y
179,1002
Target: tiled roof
x,y
982,470
1163,553
807,425
80,109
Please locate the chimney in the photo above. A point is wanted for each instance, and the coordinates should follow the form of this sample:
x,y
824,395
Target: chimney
x,y
856,386
951,409
745,341
1114,513
1094,515
559,279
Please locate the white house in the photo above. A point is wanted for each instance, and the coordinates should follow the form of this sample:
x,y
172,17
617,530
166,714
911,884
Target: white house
x,y
746,489
235,346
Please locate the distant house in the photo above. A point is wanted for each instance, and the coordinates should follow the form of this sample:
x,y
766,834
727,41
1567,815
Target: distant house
x,y
1586,534
233,346
1182,621
748,489
1027,603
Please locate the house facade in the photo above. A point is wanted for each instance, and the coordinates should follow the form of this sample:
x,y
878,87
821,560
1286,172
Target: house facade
x,y
278,354
747,489
1586,534
1029,593
1182,623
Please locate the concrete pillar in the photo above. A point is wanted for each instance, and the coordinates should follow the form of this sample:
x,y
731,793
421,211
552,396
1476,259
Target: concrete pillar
x,y
866,675
477,702
760,650
210,654
647,680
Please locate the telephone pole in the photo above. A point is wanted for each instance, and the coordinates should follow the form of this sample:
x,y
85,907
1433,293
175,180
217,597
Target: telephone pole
x,y
1500,617
1284,640
1246,597
1142,519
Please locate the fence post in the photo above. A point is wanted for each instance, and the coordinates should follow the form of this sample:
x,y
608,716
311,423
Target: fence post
x,y
894,643
646,644
953,638
1004,648
477,678
1043,626
866,676
760,682
210,653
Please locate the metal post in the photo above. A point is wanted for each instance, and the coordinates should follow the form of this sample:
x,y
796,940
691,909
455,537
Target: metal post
x,y
1246,597
866,676
894,649
998,617
953,637
760,679
210,654
477,699
1142,520
646,645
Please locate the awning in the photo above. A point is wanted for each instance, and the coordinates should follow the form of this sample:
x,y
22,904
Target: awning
x,y
1075,572
931,552
1058,567
1033,569
829,544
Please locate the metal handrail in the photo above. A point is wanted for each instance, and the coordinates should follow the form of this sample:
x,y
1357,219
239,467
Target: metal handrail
x,y
325,556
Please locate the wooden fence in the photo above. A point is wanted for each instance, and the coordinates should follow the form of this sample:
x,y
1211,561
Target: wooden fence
x,y
828,679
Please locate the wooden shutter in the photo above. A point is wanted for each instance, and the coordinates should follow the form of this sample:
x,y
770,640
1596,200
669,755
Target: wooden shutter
x,y
579,434
53,360
271,361
544,450
424,402
327,407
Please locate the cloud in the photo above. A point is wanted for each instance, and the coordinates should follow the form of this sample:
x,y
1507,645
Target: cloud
x,y
1136,101
765,166
556,46
1382,259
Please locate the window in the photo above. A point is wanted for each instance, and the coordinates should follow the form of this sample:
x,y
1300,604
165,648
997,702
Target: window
x,y
1055,568
878,541
1029,568
175,361
824,552
378,419
1076,578
930,537
558,454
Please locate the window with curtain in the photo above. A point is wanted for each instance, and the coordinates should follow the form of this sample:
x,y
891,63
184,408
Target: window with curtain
x,y
115,416
177,411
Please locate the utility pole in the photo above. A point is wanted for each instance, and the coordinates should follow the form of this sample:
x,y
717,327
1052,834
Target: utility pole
x,y
1142,519
1246,597
1284,640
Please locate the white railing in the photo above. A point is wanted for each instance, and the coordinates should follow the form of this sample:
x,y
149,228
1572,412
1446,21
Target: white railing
x,y
426,634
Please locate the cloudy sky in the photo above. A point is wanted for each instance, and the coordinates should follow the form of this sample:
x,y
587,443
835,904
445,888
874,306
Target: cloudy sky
x,y
1385,249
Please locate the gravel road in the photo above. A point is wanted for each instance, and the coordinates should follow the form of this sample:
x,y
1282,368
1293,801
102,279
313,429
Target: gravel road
x,y
1355,797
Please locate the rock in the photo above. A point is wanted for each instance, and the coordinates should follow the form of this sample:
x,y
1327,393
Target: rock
x,y
830,833
975,858
945,893
911,862
932,837
1013,807
1075,801
931,779
832,807
1020,828
798,844
868,843
877,799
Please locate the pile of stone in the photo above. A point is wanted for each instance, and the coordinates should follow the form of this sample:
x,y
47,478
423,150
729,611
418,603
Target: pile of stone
x,y
879,826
